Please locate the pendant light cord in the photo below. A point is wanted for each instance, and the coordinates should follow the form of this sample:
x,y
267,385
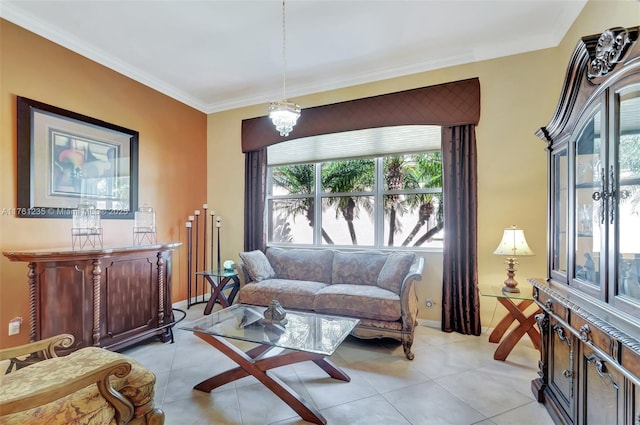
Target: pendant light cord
x,y
284,52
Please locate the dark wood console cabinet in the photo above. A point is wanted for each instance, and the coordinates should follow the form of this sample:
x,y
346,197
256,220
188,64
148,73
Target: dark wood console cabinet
x,y
109,298
589,371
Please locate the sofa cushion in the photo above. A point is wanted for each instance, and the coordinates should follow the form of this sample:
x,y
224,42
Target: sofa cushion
x,y
363,301
394,270
301,264
357,268
296,294
257,264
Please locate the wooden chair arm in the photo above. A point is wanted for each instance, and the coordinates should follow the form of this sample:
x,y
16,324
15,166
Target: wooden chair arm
x,y
47,346
43,392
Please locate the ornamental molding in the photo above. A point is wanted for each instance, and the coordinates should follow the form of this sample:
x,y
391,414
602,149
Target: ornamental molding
x,y
610,49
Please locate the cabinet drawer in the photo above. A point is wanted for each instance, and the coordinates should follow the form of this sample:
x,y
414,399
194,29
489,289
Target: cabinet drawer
x,y
553,305
630,360
590,333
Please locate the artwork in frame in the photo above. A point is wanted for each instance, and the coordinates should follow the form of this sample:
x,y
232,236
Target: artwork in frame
x,y
65,158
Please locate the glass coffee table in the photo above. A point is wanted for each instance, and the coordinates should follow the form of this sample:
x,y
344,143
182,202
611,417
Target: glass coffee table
x,y
304,336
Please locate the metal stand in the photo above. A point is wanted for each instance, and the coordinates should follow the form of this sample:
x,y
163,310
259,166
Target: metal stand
x,y
86,238
143,237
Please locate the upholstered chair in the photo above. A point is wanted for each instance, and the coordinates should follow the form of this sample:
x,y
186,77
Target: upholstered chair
x,y
89,386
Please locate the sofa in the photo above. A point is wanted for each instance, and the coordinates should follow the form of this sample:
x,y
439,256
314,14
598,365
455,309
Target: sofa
x,y
90,386
377,288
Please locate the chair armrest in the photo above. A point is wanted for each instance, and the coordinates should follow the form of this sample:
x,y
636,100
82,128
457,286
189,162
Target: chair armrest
x,y
33,386
47,346
408,296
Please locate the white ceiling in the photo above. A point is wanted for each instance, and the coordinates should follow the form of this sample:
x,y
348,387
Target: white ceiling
x,y
220,54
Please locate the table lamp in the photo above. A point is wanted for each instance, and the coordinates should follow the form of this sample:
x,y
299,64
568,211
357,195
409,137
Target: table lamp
x,y
513,245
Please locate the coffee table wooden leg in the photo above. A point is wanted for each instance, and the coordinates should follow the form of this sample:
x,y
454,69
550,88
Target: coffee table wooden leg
x,y
258,368
332,370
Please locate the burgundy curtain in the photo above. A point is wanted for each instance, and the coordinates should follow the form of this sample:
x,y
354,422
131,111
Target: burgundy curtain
x,y
255,177
460,295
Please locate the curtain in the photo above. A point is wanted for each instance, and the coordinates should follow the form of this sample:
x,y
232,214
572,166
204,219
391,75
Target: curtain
x,y
456,107
255,177
460,294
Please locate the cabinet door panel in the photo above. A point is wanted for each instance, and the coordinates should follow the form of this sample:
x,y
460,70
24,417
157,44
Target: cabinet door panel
x,y
602,390
628,190
65,301
561,371
590,197
560,206
131,297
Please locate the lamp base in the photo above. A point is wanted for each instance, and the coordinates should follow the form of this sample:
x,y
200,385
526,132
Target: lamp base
x,y
510,284
511,289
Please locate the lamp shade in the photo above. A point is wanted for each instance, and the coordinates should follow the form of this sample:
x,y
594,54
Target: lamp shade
x,y
513,243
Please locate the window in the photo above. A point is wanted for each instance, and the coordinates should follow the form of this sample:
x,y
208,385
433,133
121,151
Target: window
x,y
373,188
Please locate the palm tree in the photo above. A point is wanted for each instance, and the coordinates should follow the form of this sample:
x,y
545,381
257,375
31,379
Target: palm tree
x,y
425,173
299,180
394,178
349,176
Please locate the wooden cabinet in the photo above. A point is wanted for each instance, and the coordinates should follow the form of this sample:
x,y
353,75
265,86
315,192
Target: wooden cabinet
x,y
590,301
108,298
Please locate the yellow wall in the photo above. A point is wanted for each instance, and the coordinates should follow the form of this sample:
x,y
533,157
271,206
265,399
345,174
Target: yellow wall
x,y
172,165
518,95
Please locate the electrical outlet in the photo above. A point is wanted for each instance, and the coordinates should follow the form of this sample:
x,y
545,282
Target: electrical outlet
x,y
429,302
14,326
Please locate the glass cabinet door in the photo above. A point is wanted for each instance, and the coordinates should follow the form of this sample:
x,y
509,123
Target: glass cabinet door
x,y
559,244
590,208
627,187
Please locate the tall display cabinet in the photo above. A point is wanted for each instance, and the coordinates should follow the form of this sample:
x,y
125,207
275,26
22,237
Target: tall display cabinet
x,y
589,371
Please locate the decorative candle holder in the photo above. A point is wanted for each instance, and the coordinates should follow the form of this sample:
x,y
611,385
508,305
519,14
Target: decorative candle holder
x,y
86,229
144,226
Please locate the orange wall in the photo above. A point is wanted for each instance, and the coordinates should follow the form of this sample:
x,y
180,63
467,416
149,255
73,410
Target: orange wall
x,y
172,148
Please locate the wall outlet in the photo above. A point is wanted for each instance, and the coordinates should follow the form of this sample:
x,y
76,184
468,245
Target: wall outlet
x,y
14,326
429,302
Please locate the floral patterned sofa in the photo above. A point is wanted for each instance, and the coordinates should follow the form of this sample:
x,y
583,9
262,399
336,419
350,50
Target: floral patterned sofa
x,y
90,386
376,287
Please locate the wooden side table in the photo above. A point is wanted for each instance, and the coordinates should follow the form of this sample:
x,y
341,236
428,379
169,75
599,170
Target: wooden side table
x,y
221,280
516,304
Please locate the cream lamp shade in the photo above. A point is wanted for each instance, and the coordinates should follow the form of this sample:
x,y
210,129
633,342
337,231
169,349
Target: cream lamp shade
x,y
512,245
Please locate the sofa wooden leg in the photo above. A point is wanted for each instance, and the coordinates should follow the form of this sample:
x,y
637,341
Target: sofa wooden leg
x,y
155,417
407,342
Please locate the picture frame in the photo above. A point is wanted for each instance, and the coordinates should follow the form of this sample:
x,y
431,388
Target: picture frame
x,y
65,158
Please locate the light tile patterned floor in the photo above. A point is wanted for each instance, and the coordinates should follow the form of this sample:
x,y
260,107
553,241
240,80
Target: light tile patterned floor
x,y
452,380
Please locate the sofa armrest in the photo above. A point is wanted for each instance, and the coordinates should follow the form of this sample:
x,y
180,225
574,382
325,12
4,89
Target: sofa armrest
x,y
408,297
50,380
243,273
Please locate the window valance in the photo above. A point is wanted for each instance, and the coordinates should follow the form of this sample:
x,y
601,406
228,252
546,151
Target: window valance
x,y
448,104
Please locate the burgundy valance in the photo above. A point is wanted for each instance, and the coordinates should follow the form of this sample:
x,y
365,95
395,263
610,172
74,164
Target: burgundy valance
x,y
447,104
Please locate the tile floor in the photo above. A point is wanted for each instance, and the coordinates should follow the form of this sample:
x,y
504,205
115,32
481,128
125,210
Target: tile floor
x,y
452,380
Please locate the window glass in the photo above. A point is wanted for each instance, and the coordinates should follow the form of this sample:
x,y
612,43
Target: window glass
x,y
381,201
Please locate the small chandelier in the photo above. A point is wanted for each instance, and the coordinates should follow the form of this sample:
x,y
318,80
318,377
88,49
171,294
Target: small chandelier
x,y
283,113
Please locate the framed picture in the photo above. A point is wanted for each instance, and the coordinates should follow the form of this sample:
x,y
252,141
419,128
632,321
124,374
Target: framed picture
x,y
65,158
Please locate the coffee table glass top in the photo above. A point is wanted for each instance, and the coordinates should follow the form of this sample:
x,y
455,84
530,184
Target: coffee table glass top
x,y
303,331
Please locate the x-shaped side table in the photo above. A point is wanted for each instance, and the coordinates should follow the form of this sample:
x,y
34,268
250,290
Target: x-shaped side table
x,y
515,312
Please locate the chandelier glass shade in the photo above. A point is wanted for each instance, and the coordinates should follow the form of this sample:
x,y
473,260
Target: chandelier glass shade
x,y
284,114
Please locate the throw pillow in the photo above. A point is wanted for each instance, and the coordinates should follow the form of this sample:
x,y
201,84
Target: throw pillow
x,y
394,271
257,265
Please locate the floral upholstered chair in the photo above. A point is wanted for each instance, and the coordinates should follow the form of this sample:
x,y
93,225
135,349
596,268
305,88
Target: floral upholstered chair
x,y
89,386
